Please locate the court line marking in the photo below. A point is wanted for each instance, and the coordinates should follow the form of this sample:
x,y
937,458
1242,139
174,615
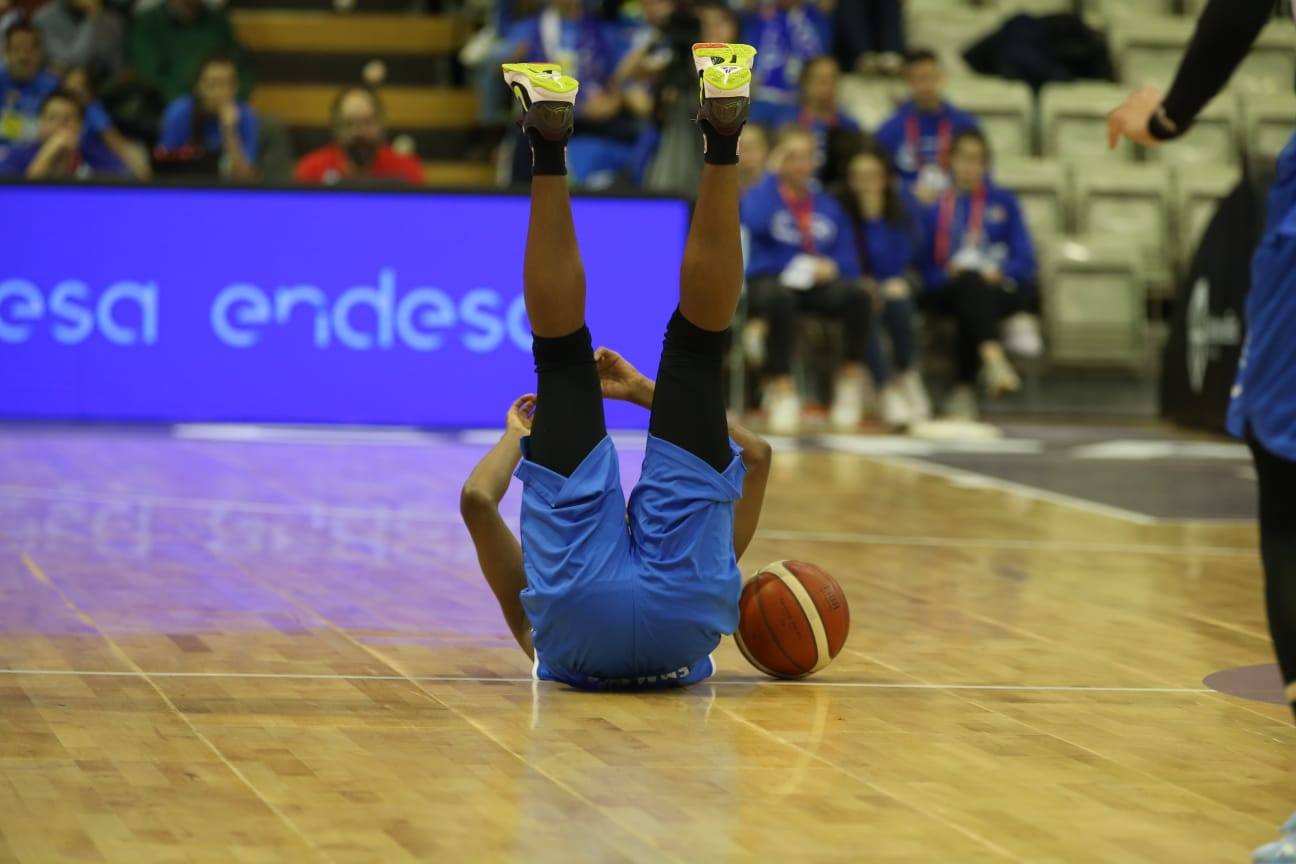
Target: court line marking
x,y
403,676
865,539
476,679
40,576
266,508
921,809
384,512
1058,737
964,479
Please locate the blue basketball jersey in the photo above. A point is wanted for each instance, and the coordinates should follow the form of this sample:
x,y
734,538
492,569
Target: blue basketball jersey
x,y
1264,395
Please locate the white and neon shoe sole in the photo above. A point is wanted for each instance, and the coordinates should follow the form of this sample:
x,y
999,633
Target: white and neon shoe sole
x,y
708,54
540,82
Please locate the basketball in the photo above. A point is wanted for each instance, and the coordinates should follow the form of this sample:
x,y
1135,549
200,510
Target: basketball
x,y
792,619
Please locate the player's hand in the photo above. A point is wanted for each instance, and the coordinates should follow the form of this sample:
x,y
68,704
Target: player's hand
x,y
1130,119
620,379
991,274
520,414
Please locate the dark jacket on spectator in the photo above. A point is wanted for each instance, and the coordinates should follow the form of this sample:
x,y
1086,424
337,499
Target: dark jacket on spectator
x,y
1041,49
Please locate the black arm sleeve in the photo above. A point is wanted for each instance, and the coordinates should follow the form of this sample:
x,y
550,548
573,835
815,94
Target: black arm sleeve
x,y
1225,33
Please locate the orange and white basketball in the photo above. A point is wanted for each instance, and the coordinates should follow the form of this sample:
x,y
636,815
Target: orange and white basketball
x,y
793,619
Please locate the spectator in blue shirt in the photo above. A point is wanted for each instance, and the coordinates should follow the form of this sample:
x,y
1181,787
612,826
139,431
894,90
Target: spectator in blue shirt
x,y
888,236
567,33
98,125
60,153
802,260
787,35
24,84
837,135
212,120
920,134
979,268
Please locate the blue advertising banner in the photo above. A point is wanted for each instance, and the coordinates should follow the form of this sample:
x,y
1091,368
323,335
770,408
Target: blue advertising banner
x,y
173,304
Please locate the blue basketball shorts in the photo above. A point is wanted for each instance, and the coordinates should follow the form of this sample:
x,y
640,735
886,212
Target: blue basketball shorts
x,y
630,596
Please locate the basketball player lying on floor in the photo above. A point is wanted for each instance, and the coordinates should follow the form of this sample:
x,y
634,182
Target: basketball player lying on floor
x,y
603,596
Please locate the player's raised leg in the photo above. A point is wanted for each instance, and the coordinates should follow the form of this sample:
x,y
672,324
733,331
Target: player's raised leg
x,y
688,406
712,273
553,277
568,420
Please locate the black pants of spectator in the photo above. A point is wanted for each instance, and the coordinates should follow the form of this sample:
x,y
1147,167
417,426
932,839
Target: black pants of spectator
x,y
688,405
978,307
768,299
868,27
1277,481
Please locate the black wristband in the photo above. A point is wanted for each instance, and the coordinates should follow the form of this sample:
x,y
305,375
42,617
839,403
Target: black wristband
x,y
1162,128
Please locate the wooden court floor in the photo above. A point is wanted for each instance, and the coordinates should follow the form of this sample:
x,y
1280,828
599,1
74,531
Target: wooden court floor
x,y
265,651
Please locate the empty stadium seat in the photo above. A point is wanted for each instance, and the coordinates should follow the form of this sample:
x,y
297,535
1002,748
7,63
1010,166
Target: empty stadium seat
x,y
1197,193
869,101
1006,110
1073,120
1147,48
1268,121
1044,188
1270,68
1114,8
1129,201
1095,304
304,53
948,29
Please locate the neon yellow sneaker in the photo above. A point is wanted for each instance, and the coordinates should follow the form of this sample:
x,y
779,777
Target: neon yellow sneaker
x,y
548,97
726,97
707,54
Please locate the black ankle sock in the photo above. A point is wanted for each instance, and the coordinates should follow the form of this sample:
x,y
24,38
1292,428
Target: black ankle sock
x,y
548,158
721,149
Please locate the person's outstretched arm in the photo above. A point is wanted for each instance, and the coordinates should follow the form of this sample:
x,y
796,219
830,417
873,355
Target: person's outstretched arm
x,y
498,552
622,381
1225,33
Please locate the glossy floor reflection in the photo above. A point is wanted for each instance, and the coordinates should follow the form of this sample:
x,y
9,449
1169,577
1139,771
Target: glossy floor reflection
x,y
283,651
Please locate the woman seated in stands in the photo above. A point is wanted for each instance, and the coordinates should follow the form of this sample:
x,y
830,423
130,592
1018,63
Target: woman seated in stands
x,y
888,237
802,261
978,266
213,122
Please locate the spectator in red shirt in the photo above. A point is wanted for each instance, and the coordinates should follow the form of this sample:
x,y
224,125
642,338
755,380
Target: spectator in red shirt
x,y
359,151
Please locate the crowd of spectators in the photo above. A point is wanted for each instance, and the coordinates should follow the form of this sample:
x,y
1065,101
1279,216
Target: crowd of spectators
x,y
89,90
863,229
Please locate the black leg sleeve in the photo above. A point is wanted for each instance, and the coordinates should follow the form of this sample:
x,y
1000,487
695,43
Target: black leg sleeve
x,y
568,420
688,406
